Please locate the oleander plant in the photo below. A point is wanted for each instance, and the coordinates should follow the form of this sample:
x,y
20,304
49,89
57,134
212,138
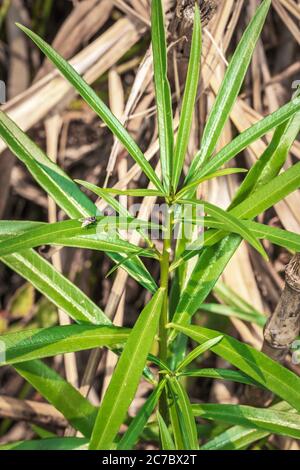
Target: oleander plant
x,y
165,343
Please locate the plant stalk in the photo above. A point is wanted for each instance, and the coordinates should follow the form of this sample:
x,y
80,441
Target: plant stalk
x,y
164,318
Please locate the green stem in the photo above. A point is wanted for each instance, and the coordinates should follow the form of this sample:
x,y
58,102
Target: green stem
x,y
164,319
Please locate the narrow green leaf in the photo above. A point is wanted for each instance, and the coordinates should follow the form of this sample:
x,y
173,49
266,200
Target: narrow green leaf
x,y
189,99
179,434
61,188
158,362
227,311
53,443
230,297
272,160
136,269
255,364
66,399
278,422
106,196
42,433
269,194
249,136
133,266
72,233
128,257
165,435
213,259
185,417
119,208
231,223
162,92
197,352
284,238
139,422
216,174
49,176
230,89
128,192
273,165
57,288
280,237
240,437
220,374
125,379
209,267
235,438
38,343
96,104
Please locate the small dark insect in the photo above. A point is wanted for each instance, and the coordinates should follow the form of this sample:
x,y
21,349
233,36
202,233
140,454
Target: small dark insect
x,y
88,221
181,25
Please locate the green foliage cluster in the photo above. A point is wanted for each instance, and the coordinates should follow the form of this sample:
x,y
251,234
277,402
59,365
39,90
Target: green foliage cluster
x,y
264,185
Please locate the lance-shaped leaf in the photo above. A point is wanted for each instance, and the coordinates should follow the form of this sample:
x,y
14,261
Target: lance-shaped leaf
x,y
229,311
126,377
47,280
165,435
272,160
57,288
185,415
189,99
220,374
216,174
38,343
277,422
269,194
178,431
213,259
250,135
66,399
284,238
99,236
117,206
278,236
139,422
49,176
96,104
240,437
127,192
61,188
255,364
209,267
52,443
231,223
230,89
197,352
162,92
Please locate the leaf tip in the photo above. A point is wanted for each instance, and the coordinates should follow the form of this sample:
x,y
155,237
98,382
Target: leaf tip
x,y
21,26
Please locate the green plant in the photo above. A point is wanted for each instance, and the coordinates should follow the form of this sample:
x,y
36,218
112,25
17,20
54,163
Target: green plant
x,y
263,187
